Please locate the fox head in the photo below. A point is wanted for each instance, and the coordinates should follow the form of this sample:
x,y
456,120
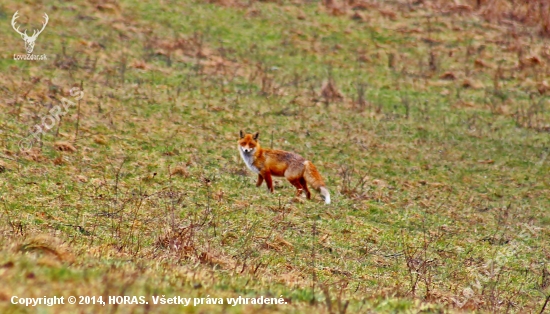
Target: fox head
x,y
248,142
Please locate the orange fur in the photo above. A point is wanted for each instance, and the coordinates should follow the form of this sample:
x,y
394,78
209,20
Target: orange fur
x,y
279,163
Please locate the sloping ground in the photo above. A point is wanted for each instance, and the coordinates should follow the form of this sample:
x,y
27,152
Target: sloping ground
x,y
428,121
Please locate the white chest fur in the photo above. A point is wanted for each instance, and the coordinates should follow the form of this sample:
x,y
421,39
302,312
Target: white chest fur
x,y
248,160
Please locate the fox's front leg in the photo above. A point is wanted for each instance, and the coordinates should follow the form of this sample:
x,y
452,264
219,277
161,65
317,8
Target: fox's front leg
x,y
268,181
260,180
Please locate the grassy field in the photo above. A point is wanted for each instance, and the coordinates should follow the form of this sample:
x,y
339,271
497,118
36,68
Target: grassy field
x,y
429,122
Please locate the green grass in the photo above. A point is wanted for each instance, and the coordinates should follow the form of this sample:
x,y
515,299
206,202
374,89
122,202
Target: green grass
x,y
435,194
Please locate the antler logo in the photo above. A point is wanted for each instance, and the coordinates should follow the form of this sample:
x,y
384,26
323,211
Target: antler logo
x,y
29,40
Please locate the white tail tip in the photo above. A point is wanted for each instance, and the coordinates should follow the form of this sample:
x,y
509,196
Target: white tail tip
x,y
325,194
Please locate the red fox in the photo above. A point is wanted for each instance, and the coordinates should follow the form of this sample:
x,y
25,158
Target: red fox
x,y
272,162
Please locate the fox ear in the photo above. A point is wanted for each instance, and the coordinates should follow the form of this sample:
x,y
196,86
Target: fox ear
x,y
256,135
241,133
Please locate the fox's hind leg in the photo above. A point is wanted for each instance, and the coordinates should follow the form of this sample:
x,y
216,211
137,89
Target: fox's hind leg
x,y
260,180
294,175
298,185
304,185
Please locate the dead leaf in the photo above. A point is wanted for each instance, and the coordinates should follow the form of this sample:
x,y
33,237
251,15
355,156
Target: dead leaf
x,y
464,104
380,183
330,92
531,61
363,57
180,170
58,160
297,200
448,76
478,63
65,147
34,154
543,87
253,12
271,246
358,16
218,196
150,177
460,8
108,7
503,110
98,182
486,161
81,178
225,3
339,272
100,139
139,64
47,245
279,239
388,14
470,83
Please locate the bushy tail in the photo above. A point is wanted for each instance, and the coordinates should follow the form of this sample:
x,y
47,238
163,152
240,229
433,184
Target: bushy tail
x,y
313,178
